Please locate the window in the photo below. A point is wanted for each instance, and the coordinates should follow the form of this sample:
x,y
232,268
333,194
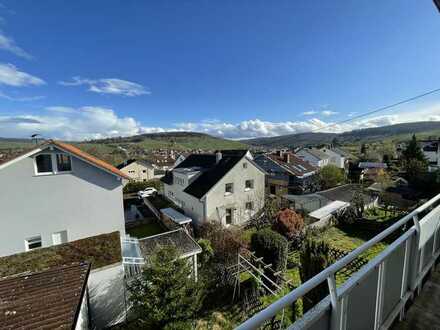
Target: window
x,y
249,206
64,163
229,188
44,163
273,189
228,216
249,184
144,171
33,243
59,237
244,165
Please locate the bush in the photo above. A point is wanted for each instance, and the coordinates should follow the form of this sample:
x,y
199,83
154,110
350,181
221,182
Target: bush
x,y
272,247
226,242
315,257
331,176
347,216
288,223
135,186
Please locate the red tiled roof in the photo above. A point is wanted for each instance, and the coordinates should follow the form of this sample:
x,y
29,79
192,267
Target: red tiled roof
x,y
73,150
45,300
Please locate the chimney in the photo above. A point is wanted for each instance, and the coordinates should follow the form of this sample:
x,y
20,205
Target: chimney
x,y
218,157
287,157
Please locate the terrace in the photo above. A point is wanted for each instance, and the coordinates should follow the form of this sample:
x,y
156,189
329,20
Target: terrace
x,y
378,295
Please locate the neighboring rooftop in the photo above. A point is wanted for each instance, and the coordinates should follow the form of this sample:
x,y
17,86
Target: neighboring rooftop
x,y
70,149
344,193
372,165
99,251
176,216
201,185
50,299
177,238
292,163
317,153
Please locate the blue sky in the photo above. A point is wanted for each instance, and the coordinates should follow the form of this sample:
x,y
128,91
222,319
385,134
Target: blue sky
x,y
237,69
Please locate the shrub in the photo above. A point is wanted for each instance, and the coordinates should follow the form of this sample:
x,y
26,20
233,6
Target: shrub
x,y
207,251
135,186
315,257
347,216
288,223
331,176
226,242
272,247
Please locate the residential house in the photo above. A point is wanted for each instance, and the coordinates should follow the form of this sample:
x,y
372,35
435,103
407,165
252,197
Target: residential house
x,y
337,157
55,298
56,193
370,171
431,151
287,173
314,156
58,203
141,170
226,186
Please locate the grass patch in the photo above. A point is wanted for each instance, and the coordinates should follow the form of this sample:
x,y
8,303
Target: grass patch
x,y
145,230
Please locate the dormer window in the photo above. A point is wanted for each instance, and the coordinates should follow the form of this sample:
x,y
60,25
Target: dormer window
x,y
44,164
64,163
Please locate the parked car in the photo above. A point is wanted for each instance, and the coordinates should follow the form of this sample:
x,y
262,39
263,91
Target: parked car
x,y
147,192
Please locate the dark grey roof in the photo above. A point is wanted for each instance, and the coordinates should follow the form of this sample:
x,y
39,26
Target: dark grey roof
x,y
177,238
200,186
344,193
198,160
372,165
212,171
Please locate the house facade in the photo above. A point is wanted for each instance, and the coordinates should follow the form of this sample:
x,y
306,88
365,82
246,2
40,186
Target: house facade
x,y
336,158
227,187
314,157
287,174
55,194
141,170
431,151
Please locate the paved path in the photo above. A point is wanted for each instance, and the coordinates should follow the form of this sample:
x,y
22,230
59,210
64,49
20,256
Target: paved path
x,y
424,313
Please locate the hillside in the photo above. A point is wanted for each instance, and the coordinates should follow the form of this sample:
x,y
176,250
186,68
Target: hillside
x,y
112,149
395,133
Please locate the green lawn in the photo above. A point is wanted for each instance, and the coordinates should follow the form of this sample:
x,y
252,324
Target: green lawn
x,y
145,230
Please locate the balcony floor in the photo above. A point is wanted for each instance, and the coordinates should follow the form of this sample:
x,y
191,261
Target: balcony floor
x,y
424,313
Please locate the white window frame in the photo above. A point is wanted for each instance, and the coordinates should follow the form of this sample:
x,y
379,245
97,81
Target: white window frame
x,y
252,206
61,232
227,193
53,157
226,216
52,160
252,185
26,242
71,163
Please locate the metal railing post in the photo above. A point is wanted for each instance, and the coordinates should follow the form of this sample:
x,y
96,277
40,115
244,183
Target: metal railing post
x,y
405,273
335,323
415,255
380,295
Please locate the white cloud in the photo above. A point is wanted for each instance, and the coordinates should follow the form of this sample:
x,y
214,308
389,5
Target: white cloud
x,y
328,113
8,44
92,122
109,86
11,76
309,113
20,98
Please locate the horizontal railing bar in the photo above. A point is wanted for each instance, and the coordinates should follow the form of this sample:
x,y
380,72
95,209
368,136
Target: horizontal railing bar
x,y
292,296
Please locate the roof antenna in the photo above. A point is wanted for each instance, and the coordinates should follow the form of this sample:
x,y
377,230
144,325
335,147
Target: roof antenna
x,y
35,137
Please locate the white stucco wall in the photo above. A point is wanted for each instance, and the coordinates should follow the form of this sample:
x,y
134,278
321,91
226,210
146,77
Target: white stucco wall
x,y
217,201
136,172
85,202
335,158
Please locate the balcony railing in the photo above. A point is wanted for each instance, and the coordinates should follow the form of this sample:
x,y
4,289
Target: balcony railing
x,y
376,295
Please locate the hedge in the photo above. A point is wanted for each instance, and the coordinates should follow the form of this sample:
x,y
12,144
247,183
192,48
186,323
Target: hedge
x,y
135,186
272,247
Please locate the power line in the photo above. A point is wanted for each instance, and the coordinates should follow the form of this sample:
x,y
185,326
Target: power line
x,y
378,110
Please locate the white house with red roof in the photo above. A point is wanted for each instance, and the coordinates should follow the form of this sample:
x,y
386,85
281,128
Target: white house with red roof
x,y
56,193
